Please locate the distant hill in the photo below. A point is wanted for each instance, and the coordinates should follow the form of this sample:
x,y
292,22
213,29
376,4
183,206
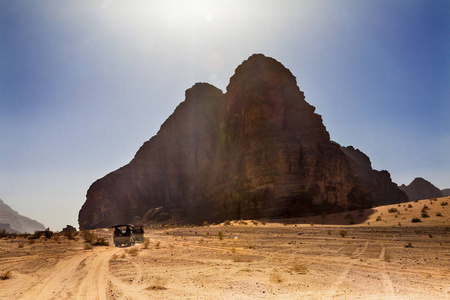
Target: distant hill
x,y
420,188
13,222
446,192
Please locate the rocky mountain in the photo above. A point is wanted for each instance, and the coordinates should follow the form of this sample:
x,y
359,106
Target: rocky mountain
x,y
257,151
12,221
445,192
420,188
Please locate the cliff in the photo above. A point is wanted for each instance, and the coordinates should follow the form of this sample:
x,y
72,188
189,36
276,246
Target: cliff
x,y
257,151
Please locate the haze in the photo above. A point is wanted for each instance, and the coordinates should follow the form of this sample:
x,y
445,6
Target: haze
x,y
83,84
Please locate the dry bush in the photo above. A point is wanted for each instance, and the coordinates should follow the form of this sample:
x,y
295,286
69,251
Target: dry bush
x,y
444,203
343,233
159,285
300,269
392,210
157,245
114,257
220,235
276,277
416,220
6,275
133,251
88,246
146,243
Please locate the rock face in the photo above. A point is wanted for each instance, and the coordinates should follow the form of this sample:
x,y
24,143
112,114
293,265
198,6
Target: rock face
x,y
420,188
378,184
445,192
257,151
13,222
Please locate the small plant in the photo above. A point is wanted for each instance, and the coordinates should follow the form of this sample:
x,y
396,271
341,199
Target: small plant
x,y
276,277
312,223
6,275
146,243
227,223
133,251
387,257
159,285
157,245
378,218
409,206
242,222
20,245
300,269
438,214
88,247
114,257
416,220
425,208
425,214
409,245
220,235
255,222
444,203
205,223
329,232
343,233
392,210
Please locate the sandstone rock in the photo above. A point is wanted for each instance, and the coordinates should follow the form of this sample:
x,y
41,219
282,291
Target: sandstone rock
x,y
420,188
257,151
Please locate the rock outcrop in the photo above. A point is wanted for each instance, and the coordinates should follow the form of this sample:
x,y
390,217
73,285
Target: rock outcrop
x,y
420,188
13,222
445,192
257,151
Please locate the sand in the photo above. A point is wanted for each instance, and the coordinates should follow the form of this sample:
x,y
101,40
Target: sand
x,y
338,256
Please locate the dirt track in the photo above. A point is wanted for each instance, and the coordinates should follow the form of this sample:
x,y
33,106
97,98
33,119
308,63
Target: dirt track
x,y
271,261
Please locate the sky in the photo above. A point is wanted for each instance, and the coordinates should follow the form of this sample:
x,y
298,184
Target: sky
x,y
83,84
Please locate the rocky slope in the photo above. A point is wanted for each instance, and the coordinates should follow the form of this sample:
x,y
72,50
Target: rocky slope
x,y
445,192
420,188
257,151
12,221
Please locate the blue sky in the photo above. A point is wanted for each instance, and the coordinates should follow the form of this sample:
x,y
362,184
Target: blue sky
x,y
83,84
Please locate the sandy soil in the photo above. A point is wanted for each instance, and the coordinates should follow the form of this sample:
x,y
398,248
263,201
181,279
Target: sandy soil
x,y
343,256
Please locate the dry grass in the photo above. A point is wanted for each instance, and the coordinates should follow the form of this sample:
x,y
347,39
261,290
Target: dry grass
x,y
6,275
133,251
159,285
275,277
299,268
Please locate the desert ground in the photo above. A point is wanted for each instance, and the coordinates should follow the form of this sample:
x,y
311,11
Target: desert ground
x,y
377,253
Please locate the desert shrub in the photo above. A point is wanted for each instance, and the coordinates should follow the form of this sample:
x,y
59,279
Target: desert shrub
x,y
255,222
343,233
3,233
220,235
227,223
146,243
157,245
409,205
392,210
378,218
6,275
114,257
93,240
438,214
409,245
205,223
276,277
20,245
88,247
329,232
425,208
416,220
242,222
133,251
300,269
444,203
425,214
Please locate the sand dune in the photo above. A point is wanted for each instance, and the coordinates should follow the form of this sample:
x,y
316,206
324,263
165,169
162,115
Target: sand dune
x,y
341,256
